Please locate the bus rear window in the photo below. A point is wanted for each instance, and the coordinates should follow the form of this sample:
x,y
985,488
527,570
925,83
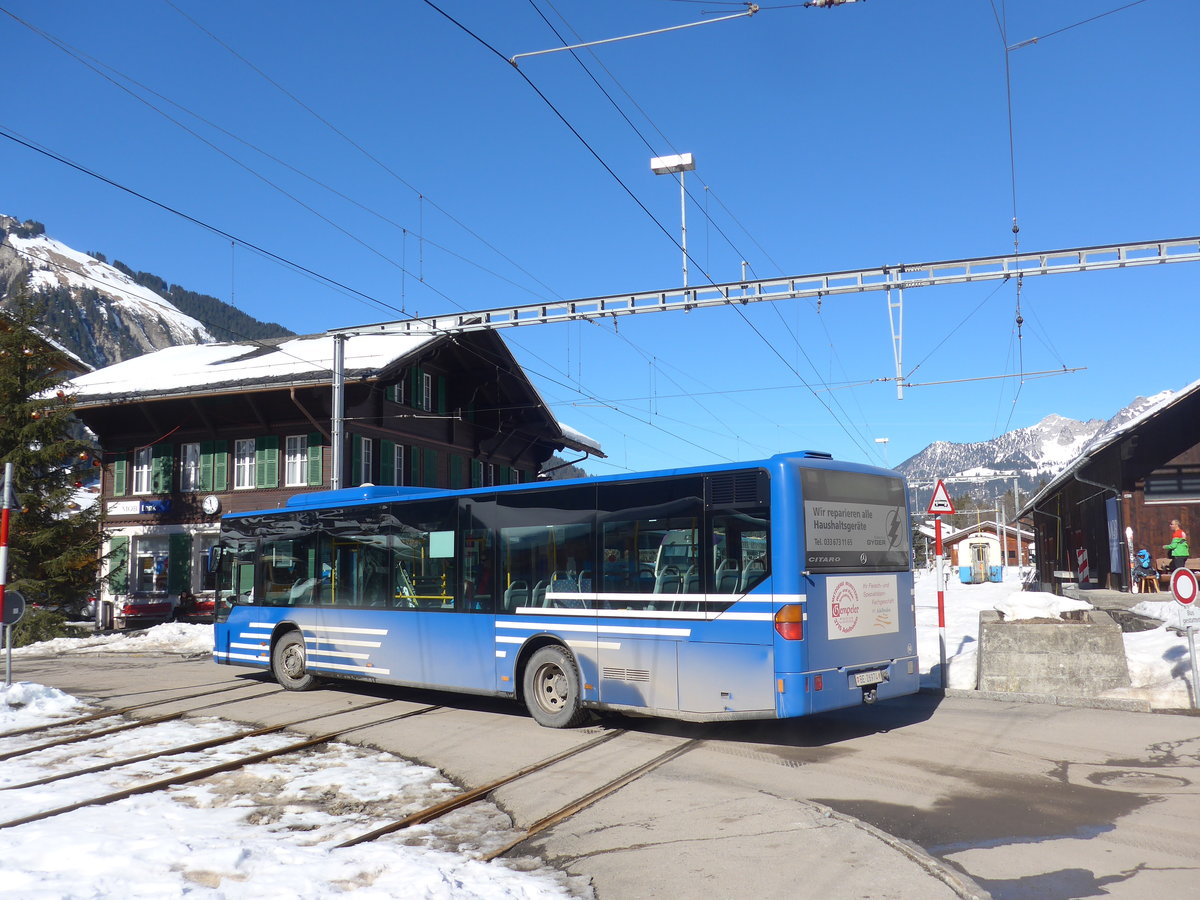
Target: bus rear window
x,y
854,522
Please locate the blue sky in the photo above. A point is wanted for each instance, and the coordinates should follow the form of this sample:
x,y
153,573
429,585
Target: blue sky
x,y
874,133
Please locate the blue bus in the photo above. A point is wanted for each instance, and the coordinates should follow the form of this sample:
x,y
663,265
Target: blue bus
x,y
758,590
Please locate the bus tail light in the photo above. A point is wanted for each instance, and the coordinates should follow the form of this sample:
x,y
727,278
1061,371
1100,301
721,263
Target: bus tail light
x,y
789,622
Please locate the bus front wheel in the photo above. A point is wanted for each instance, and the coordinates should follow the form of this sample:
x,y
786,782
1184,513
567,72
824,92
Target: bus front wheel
x,y
551,688
288,663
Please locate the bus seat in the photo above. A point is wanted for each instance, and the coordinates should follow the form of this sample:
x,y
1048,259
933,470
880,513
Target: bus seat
x,y
727,577
539,594
691,585
585,581
756,571
516,594
668,581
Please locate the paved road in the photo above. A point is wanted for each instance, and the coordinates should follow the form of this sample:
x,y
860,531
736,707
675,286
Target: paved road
x,y
1020,800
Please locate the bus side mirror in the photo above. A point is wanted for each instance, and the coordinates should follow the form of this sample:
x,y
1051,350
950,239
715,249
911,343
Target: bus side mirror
x,y
214,557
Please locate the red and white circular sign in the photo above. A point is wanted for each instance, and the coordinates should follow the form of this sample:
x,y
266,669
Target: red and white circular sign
x,y
1184,586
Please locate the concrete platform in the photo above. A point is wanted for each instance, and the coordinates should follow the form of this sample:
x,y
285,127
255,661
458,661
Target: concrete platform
x,y
1082,656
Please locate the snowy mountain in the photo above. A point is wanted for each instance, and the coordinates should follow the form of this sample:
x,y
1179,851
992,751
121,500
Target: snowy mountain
x,y
97,311
1036,453
105,313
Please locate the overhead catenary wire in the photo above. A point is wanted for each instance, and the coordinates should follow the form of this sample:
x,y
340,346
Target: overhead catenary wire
x,y
1050,34
855,440
360,148
707,188
420,195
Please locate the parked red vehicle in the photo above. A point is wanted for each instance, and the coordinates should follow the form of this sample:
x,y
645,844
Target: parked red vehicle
x,y
135,611
195,609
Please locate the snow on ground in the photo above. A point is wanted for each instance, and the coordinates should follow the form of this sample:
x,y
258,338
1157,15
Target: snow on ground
x,y
1159,665
262,831
171,637
269,830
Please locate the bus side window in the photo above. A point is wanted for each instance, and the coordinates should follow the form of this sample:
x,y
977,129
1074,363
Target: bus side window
x,y
740,552
479,560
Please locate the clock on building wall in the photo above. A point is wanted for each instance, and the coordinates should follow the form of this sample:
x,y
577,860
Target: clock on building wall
x,y
212,505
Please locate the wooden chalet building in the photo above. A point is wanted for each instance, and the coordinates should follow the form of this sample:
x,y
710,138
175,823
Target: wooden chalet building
x,y
1119,496
191,432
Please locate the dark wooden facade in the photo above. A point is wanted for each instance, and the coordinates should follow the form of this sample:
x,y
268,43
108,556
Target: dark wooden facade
x,y
454,413
1151,469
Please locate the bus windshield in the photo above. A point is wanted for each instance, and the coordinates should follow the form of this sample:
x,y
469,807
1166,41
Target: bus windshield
x,y
854,522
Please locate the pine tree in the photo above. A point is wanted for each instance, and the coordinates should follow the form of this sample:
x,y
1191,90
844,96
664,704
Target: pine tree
x,y
53,550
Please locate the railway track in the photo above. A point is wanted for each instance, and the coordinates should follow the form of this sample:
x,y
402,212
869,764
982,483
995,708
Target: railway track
x,y
126,726
124,710
186,777
564,812
193,747
419,817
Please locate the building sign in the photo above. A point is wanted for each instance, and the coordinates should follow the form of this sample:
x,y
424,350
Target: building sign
x,y
138,507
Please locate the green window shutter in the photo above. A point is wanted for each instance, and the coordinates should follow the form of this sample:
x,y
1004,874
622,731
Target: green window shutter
x,y
431,466
456,465
118,565
120,476
162,469
179,563
387,462
476,473
315,451
220,463
441,394
206,465
416,385
389,393
266,462
414,465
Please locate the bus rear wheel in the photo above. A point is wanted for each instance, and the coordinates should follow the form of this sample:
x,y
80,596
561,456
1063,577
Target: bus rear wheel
x,y
289,665
551,688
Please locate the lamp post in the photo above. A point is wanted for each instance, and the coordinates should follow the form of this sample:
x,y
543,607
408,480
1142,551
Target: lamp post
x,y
672,165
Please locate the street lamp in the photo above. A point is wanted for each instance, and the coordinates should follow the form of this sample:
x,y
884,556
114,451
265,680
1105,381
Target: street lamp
x,y
884,441
671,165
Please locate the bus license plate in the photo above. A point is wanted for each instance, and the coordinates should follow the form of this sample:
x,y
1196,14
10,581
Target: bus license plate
x,y
875,676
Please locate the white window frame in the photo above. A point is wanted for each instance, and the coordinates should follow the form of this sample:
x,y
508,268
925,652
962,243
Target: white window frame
x,y
189,467
143,461
491,475
296,461
426,391
398,465
156,551
365,458
243,464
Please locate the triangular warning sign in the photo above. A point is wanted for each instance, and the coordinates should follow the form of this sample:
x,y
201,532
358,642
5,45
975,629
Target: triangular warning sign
x,y
941,501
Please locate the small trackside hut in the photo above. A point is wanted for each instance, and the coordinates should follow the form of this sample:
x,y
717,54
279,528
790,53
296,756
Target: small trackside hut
x,y
760,590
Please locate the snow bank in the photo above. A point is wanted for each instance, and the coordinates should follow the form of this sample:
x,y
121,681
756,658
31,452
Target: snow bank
x,y
1159,665
170,637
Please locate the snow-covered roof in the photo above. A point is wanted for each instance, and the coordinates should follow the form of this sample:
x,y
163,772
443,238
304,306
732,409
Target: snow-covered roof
x,y
591,445
989,525
193,369
216,368
1112,432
